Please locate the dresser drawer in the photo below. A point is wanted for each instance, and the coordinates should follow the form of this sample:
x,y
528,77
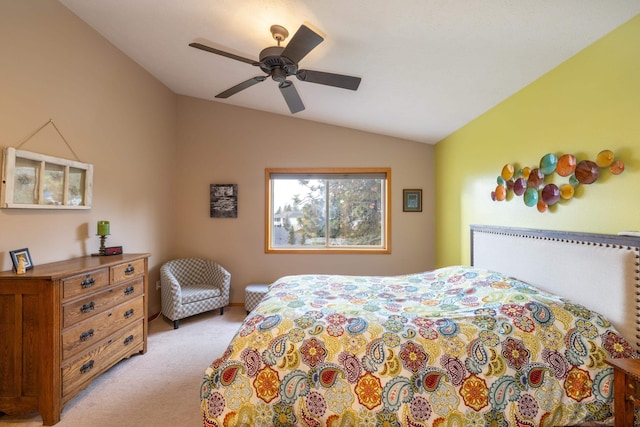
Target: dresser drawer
x,y
85,283
87,307
80,371
82,336
128,270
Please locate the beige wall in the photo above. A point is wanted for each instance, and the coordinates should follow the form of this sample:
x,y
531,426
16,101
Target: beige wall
x,y
113,114
155,155
221,144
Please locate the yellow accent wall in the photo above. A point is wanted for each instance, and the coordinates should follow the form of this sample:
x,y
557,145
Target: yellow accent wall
x,y
589,103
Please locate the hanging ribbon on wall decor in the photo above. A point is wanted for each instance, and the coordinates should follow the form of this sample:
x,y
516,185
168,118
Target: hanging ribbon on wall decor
x,y
530,182
49,122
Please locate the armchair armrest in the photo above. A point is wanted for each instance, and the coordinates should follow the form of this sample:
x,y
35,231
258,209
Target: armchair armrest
x,y
169,286
218,275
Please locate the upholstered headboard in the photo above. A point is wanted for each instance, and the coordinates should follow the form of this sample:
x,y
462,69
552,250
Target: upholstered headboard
x,y
598,271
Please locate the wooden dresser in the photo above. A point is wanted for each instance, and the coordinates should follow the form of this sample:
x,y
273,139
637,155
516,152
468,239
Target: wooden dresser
x,y
64,323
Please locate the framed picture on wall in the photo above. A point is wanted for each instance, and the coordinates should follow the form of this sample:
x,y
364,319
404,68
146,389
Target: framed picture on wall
x,y
412,200
224,201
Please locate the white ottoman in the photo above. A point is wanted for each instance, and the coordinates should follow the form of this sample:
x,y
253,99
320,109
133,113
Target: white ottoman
x,y
253,294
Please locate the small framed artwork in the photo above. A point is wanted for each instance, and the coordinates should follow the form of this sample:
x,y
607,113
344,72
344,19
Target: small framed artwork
x,y
21,254
224,201
412,200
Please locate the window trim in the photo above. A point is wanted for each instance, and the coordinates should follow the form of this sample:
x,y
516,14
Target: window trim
x,y
386,249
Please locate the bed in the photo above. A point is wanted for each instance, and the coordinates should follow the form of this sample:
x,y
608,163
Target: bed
x,y
486,344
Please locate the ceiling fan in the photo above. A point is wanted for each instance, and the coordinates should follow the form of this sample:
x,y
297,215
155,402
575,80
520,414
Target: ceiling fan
x,y
281,62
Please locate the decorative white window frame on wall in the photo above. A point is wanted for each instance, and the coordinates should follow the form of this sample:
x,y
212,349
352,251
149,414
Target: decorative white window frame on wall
x,y
71,172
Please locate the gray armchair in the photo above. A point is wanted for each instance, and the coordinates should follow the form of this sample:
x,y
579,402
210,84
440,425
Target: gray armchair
x,y
192,286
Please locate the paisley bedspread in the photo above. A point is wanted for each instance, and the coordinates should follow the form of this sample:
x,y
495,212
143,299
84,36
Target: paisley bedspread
x,y
455,346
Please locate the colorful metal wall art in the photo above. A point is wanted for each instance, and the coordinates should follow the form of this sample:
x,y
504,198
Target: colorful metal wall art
x,y
535,184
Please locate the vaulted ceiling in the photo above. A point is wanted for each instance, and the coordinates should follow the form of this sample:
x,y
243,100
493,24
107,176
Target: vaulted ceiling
x,y
428,67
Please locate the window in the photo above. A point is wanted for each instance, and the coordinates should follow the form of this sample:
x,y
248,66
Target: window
x,y
328,210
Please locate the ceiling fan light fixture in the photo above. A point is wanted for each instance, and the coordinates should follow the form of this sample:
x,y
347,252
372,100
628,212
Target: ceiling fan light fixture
x,y
279,75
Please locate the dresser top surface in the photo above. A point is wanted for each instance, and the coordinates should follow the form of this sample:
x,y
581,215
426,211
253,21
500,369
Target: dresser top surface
x,y
59,269
630,366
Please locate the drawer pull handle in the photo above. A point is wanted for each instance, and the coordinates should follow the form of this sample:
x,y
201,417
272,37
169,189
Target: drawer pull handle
x,y
129,270
128,340
88,307
86,335
128,313
129,290
87,367
88,282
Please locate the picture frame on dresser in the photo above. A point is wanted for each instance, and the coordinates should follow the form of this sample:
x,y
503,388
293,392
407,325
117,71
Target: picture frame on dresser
x,y
17,254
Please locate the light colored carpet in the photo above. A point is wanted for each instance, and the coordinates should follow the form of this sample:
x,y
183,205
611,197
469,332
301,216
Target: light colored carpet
x,y
160,388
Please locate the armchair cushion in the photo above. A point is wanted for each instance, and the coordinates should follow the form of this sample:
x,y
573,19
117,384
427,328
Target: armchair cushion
x,y
197,293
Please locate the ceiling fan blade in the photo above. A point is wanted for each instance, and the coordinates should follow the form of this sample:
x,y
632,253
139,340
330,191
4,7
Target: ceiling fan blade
x,y
302,42
329,79
223,53
241,86
291,96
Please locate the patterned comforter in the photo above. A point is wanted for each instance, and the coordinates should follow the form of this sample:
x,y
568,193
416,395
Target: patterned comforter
x,y
455,346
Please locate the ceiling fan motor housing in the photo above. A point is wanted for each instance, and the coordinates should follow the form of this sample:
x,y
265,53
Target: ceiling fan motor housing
x,y
271,59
